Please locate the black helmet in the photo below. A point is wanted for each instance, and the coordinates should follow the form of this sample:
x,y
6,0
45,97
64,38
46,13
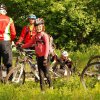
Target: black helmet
x,y
2,6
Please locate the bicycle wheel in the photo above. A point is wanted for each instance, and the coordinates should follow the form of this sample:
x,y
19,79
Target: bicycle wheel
x,y
94,59
16,75
90,75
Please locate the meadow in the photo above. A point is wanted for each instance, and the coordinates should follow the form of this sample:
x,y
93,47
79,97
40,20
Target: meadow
x,y
64,89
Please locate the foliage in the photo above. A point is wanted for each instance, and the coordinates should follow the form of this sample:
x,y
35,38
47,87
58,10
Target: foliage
x,y
64,89
80,58
72,23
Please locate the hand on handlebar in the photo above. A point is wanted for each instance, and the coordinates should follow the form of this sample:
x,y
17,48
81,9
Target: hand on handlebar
x,y
19,47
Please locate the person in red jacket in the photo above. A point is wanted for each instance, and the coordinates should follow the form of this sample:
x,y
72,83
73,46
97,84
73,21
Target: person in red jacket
x,y
41,43
28,31
7,35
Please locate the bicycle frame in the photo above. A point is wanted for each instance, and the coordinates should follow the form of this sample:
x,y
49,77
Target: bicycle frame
x,y
27,53
15,74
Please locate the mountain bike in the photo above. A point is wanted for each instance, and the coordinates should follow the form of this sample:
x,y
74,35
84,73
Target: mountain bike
x,y
57,72
91,73
18,73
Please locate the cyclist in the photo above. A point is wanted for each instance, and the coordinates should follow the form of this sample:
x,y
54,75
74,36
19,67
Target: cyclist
x,y
28,31
7,35
64,59
41,42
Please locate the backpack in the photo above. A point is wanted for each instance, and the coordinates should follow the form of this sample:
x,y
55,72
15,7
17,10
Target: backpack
x,y
51,43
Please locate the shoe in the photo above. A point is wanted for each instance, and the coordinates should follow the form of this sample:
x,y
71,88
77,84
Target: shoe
x,y
43,92
51,87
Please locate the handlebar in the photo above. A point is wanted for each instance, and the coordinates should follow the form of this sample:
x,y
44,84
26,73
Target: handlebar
x,y
28,50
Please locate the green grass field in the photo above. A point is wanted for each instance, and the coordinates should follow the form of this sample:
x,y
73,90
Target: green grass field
x,y
64,89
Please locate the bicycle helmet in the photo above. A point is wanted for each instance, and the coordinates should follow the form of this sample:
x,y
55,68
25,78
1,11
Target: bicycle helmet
x,y
39,21
31,16
3,7
65,53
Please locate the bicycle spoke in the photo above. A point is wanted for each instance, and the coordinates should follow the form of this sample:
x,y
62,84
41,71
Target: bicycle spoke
x,y
90,75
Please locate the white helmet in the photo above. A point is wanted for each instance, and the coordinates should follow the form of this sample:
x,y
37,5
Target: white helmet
x,y
65,53
3,9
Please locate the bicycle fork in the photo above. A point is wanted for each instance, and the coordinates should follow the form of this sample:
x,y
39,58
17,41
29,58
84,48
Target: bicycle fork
x,y
20,71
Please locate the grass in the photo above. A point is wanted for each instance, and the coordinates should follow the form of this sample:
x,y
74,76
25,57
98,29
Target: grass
x,y
71,89
64,89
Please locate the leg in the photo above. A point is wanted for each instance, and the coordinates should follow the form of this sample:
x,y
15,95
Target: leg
x,y
41,79
7,55
1,52
46,73
0,68
41,75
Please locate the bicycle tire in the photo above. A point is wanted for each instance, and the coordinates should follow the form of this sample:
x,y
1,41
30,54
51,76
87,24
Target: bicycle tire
x,y
89,75
11,78
94,59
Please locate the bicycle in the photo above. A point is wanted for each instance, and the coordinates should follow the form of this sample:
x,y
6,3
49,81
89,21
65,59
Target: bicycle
x,y
91,73
56,72
95,58
24,57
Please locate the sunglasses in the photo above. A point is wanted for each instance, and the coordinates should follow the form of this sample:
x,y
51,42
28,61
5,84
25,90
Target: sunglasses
x,y
31,19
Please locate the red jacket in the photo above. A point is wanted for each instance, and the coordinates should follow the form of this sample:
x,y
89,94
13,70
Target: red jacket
x,y
26,35
7,28
41,48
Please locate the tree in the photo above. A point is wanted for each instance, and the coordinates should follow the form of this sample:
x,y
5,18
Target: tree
x,y
72,23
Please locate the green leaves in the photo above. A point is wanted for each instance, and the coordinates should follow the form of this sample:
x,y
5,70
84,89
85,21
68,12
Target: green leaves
x,y
79,20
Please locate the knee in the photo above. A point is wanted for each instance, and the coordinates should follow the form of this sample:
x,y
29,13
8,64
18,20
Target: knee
x,y
41,75
47,75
